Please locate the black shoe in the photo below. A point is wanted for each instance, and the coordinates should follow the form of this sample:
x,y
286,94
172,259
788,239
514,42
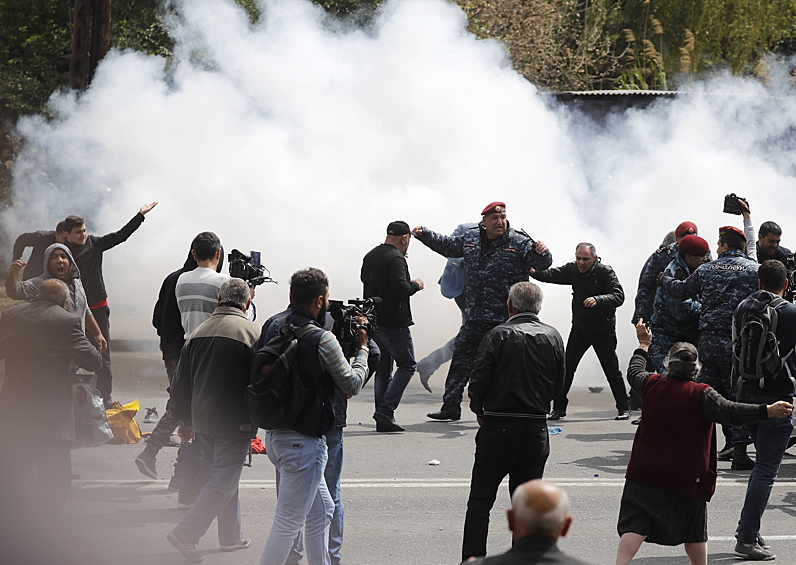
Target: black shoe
x,y
791,442
385,423
742,464
753,552
445,415
726,453
556,414
637,421
623,415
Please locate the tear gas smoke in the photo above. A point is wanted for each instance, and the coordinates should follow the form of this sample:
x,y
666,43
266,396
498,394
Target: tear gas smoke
x,y
302,139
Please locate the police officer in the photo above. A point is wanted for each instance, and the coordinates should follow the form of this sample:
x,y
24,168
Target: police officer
x,y
677,319
722,284
495,257
657,262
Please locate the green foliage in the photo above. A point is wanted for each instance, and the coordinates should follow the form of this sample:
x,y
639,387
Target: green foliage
x,y
34,54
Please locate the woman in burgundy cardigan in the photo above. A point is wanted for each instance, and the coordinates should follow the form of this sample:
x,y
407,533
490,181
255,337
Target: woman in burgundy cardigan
x,y
672,471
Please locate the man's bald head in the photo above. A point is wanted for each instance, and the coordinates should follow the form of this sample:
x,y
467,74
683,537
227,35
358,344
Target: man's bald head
x,y
539,508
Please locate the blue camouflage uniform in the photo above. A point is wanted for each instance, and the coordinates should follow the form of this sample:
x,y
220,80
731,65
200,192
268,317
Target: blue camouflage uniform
x,y
673,319
491,268
722,285
645,295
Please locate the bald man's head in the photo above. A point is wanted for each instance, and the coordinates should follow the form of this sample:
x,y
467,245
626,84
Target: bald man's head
x,y
539,508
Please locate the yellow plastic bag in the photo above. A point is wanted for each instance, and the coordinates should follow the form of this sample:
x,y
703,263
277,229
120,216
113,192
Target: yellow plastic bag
x,y
121,418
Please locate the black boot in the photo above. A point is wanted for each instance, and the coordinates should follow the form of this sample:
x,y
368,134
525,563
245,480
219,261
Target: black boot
x,y
740,460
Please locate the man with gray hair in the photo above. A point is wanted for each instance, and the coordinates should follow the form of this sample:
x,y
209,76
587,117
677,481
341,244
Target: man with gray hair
x,y
208,400
538,516
41,343
519,369
596,294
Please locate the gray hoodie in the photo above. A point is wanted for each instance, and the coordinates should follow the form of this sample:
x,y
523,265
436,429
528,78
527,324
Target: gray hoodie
x,y
78,304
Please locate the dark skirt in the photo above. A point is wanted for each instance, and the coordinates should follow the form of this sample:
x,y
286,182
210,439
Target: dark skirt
x,y
665,517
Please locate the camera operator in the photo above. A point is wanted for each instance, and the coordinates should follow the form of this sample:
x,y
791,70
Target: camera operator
x,y
386,275
334,441
303,497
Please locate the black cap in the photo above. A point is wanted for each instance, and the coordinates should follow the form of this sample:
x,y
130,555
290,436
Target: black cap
x,y
398,228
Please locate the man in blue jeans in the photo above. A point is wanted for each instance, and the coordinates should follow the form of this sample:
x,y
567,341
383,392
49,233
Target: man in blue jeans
x,y
207,399
770,436
386,275
299,453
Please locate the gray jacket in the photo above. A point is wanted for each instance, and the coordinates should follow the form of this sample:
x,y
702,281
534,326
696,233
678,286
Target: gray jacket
x,y
78,304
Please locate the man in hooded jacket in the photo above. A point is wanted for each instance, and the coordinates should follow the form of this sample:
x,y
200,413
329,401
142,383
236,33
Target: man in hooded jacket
x,y
58,264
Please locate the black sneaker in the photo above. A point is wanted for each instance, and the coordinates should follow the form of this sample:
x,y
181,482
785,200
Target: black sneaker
x,y
623,415
186,549
556,414
146,463
753,552
742,464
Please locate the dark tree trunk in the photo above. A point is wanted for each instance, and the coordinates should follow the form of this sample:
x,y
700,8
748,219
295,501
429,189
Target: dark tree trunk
x,y
80,35
100,33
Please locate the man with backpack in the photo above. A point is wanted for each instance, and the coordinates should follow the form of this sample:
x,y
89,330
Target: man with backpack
x,y
764,330
296,445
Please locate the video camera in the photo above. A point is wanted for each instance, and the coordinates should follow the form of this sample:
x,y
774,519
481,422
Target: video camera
x,y
732,206
346,326
248,268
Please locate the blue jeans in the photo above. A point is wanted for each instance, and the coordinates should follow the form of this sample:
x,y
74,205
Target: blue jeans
x,y
334,468
771,439
396,346
219,495
303,500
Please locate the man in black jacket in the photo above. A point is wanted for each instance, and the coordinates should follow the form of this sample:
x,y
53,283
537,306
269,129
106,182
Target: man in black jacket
x,y
87,251
39,241
518,371
596,294
386,275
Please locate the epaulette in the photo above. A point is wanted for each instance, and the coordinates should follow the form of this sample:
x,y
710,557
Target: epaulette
x,y
662,248
522,232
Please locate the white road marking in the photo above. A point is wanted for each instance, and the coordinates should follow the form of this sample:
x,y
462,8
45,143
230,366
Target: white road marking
x,y
404,483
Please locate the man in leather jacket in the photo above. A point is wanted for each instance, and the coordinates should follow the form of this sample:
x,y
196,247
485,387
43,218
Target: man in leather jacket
x,y
596,294
519,369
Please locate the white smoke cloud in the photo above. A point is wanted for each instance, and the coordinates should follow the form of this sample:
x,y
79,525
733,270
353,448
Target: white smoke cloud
x,y
303,140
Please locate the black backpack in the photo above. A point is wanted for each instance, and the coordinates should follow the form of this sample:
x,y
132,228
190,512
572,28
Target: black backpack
x,y
277,393
755,348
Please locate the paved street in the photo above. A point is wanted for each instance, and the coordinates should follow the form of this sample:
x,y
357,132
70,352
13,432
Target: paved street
x,y
399,509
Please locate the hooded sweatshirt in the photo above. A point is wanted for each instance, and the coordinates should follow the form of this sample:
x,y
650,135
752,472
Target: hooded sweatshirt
x,y
78,305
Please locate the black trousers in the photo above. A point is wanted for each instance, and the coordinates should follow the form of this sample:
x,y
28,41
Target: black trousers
x,y
518,449
104,376
604,344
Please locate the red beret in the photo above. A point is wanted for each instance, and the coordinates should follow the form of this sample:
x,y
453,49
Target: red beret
x,y
725,229
493,207
686,228
694,245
